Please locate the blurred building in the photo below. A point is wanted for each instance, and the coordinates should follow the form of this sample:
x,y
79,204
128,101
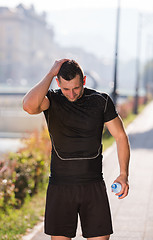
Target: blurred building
x,y
26,42
28,49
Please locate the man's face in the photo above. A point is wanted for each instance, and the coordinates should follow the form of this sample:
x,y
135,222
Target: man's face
x,y
72,89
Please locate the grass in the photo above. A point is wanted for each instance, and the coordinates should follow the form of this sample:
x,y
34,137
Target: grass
x,y
16,222
132,116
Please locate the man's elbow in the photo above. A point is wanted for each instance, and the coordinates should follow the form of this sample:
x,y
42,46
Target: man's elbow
x,y
28,109
122,137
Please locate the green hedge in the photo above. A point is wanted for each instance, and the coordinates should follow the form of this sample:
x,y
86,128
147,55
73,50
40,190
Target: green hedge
x,y
24,172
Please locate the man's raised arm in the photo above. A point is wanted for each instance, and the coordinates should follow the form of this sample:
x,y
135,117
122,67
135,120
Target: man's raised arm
x,y
35,101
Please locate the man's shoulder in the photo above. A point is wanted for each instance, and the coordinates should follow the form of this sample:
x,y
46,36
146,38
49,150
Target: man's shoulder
x,y
55,92
53,95
93,92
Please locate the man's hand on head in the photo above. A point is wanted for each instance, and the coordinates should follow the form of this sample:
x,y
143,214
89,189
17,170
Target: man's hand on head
x,y
56,66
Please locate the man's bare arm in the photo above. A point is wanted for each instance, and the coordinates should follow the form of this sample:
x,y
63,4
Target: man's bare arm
x,y
35,101
116,129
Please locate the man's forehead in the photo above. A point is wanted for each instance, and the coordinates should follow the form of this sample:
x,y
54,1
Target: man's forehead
x,y
74,81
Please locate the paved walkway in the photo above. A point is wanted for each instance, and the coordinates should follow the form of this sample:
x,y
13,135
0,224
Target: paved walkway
x,y
132,216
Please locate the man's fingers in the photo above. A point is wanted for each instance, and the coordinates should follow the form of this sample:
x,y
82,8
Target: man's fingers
x,y
57,65
63,60
124,192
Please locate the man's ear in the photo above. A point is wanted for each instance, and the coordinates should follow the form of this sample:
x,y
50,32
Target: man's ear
x,y
58,83
84,80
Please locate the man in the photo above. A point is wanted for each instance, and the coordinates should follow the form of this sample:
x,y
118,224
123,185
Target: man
x,y
75,117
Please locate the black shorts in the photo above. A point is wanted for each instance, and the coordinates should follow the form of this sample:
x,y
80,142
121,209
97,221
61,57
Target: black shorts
x,y
65,202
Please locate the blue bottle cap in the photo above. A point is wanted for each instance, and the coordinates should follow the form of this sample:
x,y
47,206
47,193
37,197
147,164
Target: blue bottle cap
x,y
114,186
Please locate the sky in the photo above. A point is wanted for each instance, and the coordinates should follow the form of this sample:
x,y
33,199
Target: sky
x,y
46,5
90,24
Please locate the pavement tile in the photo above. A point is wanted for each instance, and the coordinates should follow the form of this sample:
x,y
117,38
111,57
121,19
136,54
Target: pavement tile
x,y
125,234
149,229
43,236
128,238
133,212
148,238
129,225
78,238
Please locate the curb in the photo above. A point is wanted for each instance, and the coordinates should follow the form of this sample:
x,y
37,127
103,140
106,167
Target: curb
x,y
37,228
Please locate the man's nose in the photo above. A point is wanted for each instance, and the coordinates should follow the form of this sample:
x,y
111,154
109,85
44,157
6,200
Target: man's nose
x,y
72,94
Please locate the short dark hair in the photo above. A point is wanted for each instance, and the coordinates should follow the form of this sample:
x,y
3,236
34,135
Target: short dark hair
x,y
69,70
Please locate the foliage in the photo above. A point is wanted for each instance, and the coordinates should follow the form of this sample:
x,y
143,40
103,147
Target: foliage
x,y
24,172
127,108
147,76
16,222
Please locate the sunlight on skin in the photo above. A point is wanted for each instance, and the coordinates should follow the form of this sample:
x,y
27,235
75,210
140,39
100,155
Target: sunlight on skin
x,y
72,89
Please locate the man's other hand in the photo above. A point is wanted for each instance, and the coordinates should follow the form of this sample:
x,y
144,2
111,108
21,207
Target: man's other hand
x,y
123,180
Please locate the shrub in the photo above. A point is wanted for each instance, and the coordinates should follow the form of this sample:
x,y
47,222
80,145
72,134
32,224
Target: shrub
x,y
126,108
23,172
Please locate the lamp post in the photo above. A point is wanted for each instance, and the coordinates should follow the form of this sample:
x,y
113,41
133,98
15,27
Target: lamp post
x,y
139,35
114,93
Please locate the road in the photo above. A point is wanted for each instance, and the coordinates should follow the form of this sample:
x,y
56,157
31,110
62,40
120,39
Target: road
x,y
132,216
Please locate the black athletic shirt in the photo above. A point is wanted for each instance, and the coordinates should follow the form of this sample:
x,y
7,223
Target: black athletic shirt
x,y
75,130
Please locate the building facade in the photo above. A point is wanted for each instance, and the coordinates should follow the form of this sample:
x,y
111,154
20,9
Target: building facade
x,y
26,44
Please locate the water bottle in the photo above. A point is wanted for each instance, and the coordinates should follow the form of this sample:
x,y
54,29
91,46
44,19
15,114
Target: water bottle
x,y
116,188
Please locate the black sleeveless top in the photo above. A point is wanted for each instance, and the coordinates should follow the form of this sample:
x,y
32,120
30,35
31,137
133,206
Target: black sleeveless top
x,y
75,130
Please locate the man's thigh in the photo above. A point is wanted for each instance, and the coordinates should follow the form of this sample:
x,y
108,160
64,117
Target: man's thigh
x,y
61,214
95,213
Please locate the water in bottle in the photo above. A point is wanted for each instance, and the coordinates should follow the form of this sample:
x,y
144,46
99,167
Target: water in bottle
x,y
116,188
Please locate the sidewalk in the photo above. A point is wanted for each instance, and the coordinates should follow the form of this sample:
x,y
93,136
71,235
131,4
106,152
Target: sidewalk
x,y
133,216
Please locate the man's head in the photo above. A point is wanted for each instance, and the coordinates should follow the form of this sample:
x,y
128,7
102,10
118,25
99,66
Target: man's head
x,y
71,79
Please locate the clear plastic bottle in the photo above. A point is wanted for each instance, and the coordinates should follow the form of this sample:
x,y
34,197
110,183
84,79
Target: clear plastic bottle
x,y
116,188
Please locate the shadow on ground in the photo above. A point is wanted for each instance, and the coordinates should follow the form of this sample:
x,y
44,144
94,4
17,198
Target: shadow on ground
x,y
142,140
